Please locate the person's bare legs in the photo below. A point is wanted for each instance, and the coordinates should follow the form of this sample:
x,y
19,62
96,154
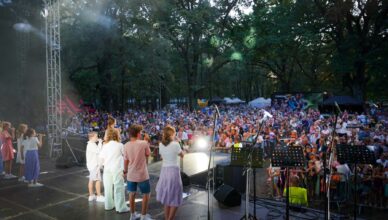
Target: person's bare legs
x,y
21,170
132,201
166,212
173,211
6,167
90,186
98,188
144,204
10,166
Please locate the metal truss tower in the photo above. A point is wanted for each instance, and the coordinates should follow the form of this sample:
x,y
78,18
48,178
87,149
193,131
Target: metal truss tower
x,y
54,81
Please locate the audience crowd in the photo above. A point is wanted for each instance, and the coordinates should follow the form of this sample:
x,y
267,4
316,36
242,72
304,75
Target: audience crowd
x,y
290,125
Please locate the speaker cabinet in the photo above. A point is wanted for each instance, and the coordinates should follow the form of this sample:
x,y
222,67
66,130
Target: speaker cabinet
x,y
230,175
228,196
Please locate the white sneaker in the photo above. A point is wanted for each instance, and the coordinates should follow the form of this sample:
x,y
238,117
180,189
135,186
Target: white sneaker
x,y
146,217
135,216
91,198
21,179
38,184
35,184
100,199
123,211
9,176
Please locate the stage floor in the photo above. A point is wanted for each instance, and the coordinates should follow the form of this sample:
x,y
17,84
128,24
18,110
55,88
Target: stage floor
x,y
64,196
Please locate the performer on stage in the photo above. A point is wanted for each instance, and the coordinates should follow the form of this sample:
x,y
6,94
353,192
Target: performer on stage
x,y
93,149
111,156
30,145
20,137
7,135
135,167
169,187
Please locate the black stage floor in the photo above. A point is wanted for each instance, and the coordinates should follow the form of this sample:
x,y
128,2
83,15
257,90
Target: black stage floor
x,y
64,196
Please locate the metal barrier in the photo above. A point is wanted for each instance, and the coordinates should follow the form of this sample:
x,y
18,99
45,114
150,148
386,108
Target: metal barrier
x,y
341,189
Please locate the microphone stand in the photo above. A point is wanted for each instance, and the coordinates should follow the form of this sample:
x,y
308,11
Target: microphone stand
x,y
250,169
331,152
210,173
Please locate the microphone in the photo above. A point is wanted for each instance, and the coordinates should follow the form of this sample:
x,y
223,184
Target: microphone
x,y
217,111
337,108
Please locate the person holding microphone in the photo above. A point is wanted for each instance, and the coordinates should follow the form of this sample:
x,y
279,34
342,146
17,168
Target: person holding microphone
x,y
31,145
169,187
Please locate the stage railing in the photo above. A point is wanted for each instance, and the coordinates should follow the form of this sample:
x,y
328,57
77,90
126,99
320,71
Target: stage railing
x,y
341,189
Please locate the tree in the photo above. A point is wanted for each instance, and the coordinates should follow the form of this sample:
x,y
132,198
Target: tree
x,y
358,29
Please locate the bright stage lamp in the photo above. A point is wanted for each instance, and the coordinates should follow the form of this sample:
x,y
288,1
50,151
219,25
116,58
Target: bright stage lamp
x,y
44,13
22,27
201,143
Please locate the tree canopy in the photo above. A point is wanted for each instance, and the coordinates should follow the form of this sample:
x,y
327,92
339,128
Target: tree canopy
x,y
119,53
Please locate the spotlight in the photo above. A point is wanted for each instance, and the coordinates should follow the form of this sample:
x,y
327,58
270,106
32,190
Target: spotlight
x,y
22,27
44,13
201,143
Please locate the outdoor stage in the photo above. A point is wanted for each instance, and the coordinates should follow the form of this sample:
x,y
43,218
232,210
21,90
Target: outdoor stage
x,y
64,196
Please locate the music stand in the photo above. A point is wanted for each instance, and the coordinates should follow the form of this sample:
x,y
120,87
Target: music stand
x,y
250,157
239,156
291,156
357,154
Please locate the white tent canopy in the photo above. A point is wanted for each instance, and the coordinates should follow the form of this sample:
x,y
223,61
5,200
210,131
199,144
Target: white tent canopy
x,y
233,100
260,102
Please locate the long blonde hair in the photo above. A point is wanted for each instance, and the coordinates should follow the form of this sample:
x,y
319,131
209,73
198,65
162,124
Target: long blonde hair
x,y
6,125
112,134
22,129
168,133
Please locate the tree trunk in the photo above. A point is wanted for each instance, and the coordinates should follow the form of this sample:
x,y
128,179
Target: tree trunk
x,y
358,86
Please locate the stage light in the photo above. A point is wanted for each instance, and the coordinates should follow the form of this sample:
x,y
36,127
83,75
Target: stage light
x,y
22,27
201,143
44,13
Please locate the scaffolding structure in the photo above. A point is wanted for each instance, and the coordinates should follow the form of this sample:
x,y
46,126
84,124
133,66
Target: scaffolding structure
x,y
54,81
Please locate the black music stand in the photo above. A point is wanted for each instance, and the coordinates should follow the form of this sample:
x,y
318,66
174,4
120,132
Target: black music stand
x,y
291,156
250,157
357,154
239,156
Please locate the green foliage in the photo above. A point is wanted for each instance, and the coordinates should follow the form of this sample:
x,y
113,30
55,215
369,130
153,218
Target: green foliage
x,y
115,50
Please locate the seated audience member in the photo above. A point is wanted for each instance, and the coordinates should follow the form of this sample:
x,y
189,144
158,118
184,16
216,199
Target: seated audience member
x,y
298,195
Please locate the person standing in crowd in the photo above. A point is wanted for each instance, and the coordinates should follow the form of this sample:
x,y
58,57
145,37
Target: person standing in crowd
x,y
20,137
111,157
7,150
30,145
93,149
169,187
135,155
